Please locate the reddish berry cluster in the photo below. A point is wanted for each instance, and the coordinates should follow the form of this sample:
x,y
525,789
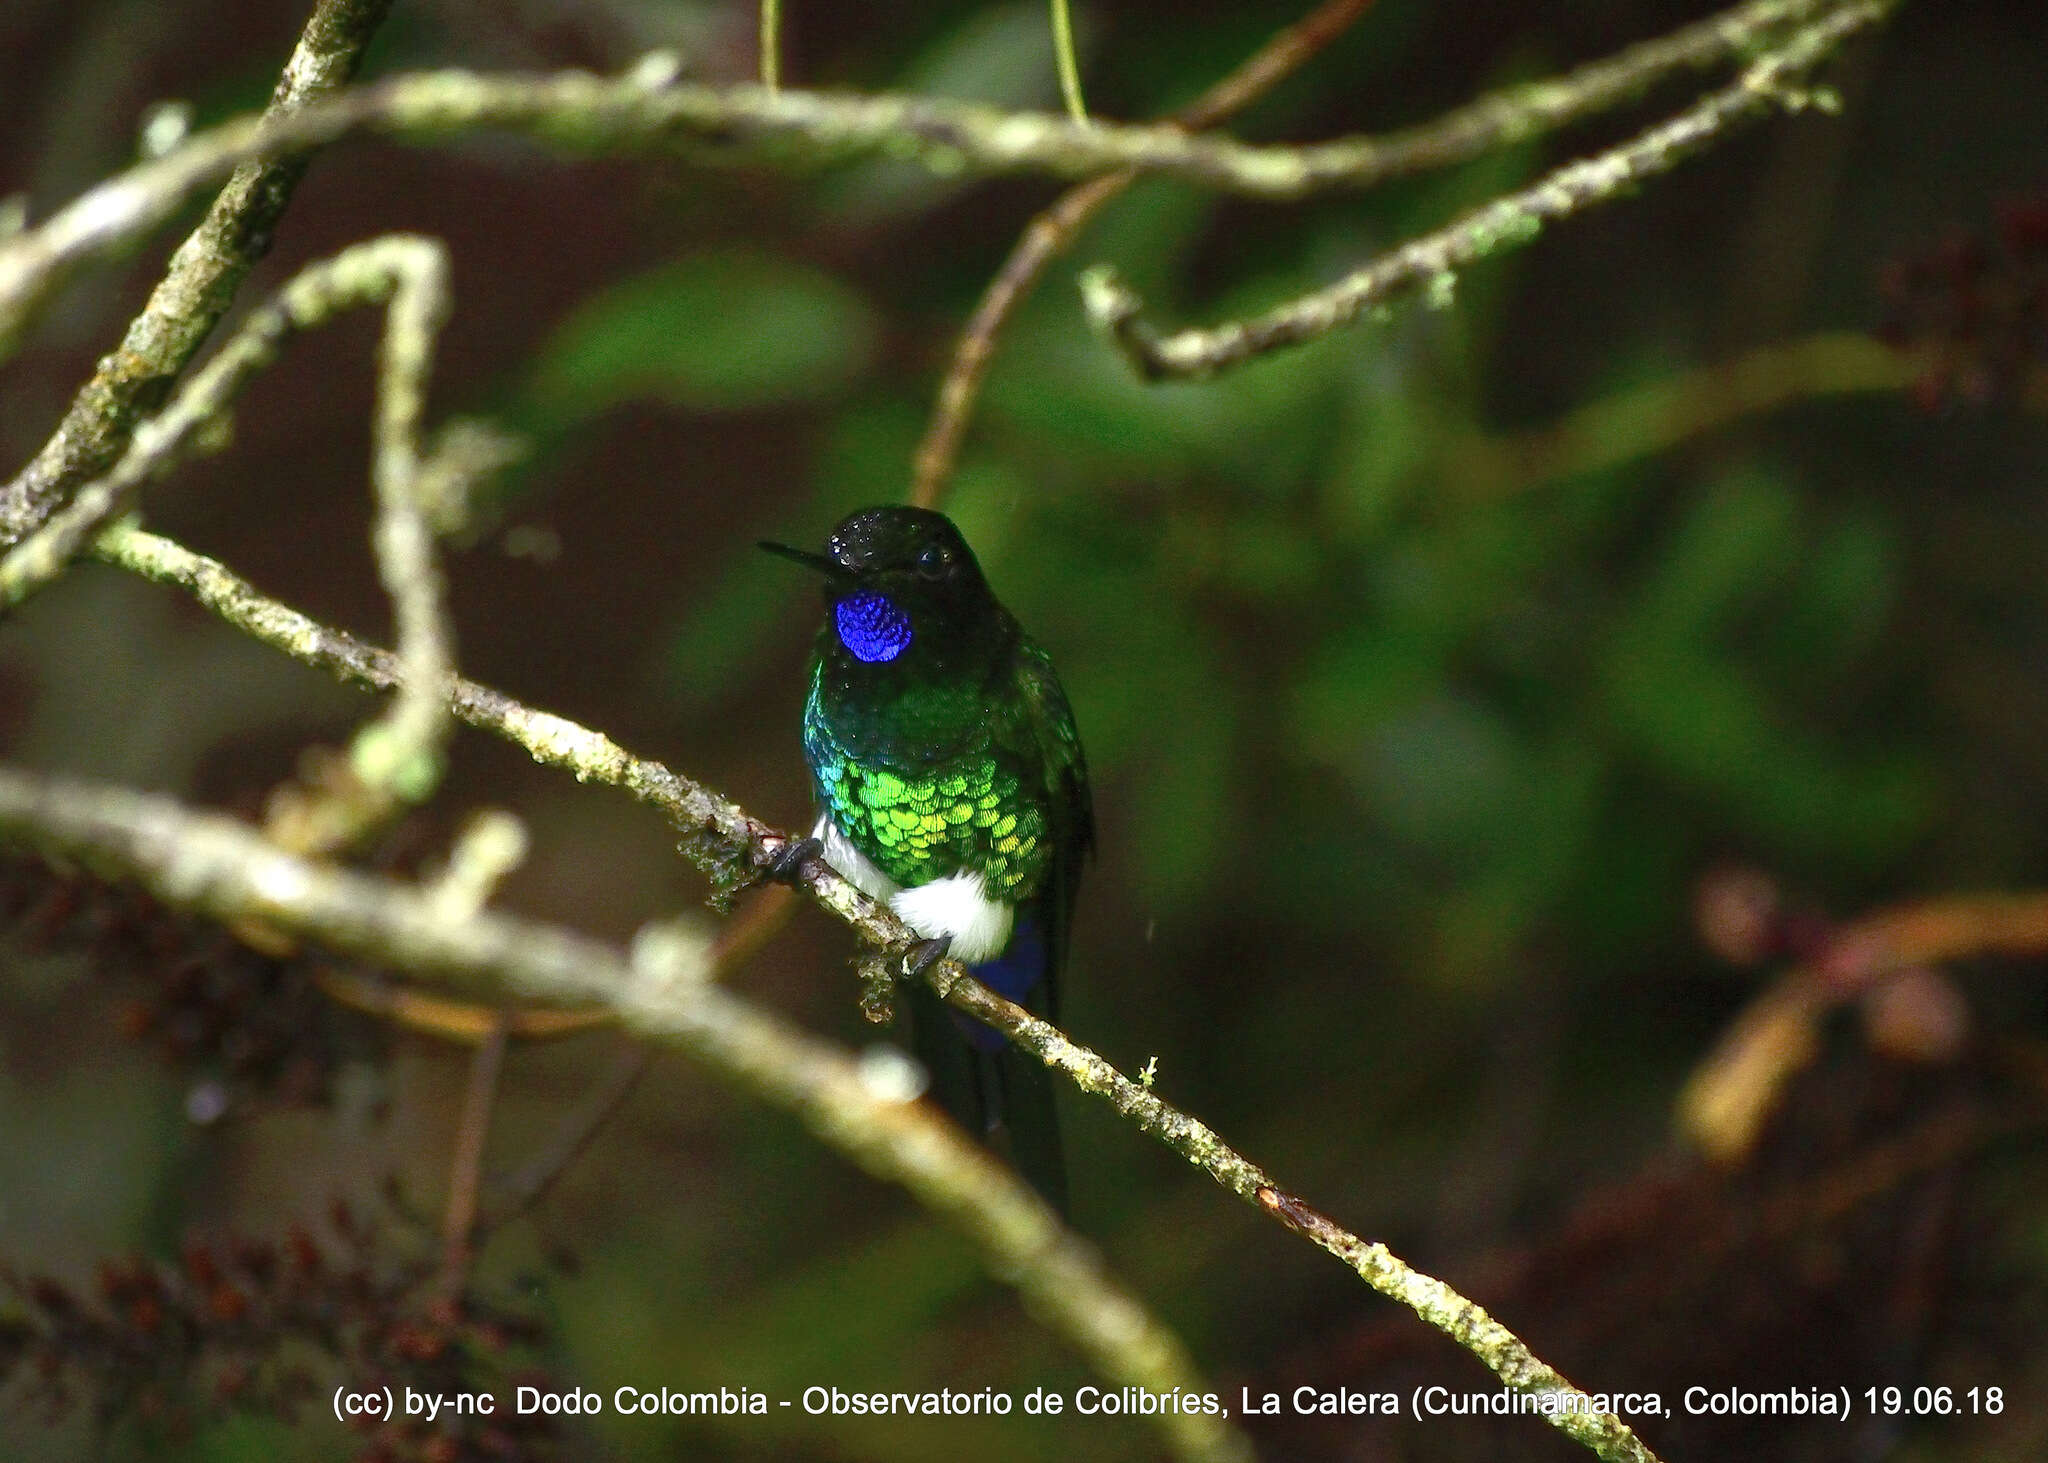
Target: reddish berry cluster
x,y
1976,309
243,1023
247,1326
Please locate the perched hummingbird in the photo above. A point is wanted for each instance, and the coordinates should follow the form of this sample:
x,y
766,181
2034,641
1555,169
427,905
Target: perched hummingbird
x,y
951,786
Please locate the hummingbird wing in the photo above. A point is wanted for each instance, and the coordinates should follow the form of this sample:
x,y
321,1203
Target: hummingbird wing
x,y
1053,746
1015,1084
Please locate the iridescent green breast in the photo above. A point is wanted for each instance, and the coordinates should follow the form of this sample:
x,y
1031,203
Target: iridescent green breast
x,y
921,806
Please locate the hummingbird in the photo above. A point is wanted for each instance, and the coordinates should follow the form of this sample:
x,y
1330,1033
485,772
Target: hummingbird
x,y
951,786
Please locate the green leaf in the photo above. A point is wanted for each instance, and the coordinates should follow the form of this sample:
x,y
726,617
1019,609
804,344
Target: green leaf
x,y
724,330
1843,599
1710,730
1737,542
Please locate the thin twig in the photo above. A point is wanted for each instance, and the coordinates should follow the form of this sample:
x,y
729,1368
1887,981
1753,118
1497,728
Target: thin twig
x,y
722,837
738,939
1777,1035
197,288
1068,62
1644,420
771,46
643,109
517,1192
467,1022
1769,84
1048,235
466,1171
367,274
401,756
219,867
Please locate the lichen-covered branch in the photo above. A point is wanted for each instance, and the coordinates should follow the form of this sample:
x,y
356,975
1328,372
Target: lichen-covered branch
x,y
397,758
1432,261
1532,109
225,869
551,740
196,289
726,841
400,756
368,274
645,109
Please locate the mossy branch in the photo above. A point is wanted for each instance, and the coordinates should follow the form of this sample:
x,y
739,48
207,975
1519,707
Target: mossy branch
x,y
397,758
733,846
663,990
198,286
1513,115
647,109
223,868
1772,83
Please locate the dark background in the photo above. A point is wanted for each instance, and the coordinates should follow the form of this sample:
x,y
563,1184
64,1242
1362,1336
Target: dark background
x,y
1404,785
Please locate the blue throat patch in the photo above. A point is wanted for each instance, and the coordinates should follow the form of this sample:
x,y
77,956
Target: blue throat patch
x,y
871,626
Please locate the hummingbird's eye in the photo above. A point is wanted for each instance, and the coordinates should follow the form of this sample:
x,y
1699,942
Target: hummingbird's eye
x,y
934,561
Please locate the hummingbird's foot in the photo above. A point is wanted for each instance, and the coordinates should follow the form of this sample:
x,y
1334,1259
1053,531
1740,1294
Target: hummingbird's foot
x,y
787,867
924,955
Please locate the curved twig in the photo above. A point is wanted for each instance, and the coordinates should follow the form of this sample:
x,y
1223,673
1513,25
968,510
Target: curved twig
x,y
1433,260
396,758
1736,1087
1048,235
197,288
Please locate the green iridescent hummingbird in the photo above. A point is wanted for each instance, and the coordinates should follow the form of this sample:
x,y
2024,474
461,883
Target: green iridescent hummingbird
x,y
951,786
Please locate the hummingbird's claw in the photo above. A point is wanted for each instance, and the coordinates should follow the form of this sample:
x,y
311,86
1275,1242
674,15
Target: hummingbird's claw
x,y
787,867
924,955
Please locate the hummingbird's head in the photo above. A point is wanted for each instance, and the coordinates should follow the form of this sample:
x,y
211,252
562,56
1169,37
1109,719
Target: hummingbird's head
x,y
895,577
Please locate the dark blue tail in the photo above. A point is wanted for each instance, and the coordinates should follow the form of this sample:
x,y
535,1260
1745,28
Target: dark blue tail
x,y
991,1088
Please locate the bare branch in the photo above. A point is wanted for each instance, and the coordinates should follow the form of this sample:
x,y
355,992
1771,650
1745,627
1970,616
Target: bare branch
x,y
1738,1085
466,1172
1049,234
223,868
771,46
197,288
1506,223
519,1191
1068,62
465,1022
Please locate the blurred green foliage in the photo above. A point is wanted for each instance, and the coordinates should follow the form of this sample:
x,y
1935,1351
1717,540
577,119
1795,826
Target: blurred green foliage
x,y
715,331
